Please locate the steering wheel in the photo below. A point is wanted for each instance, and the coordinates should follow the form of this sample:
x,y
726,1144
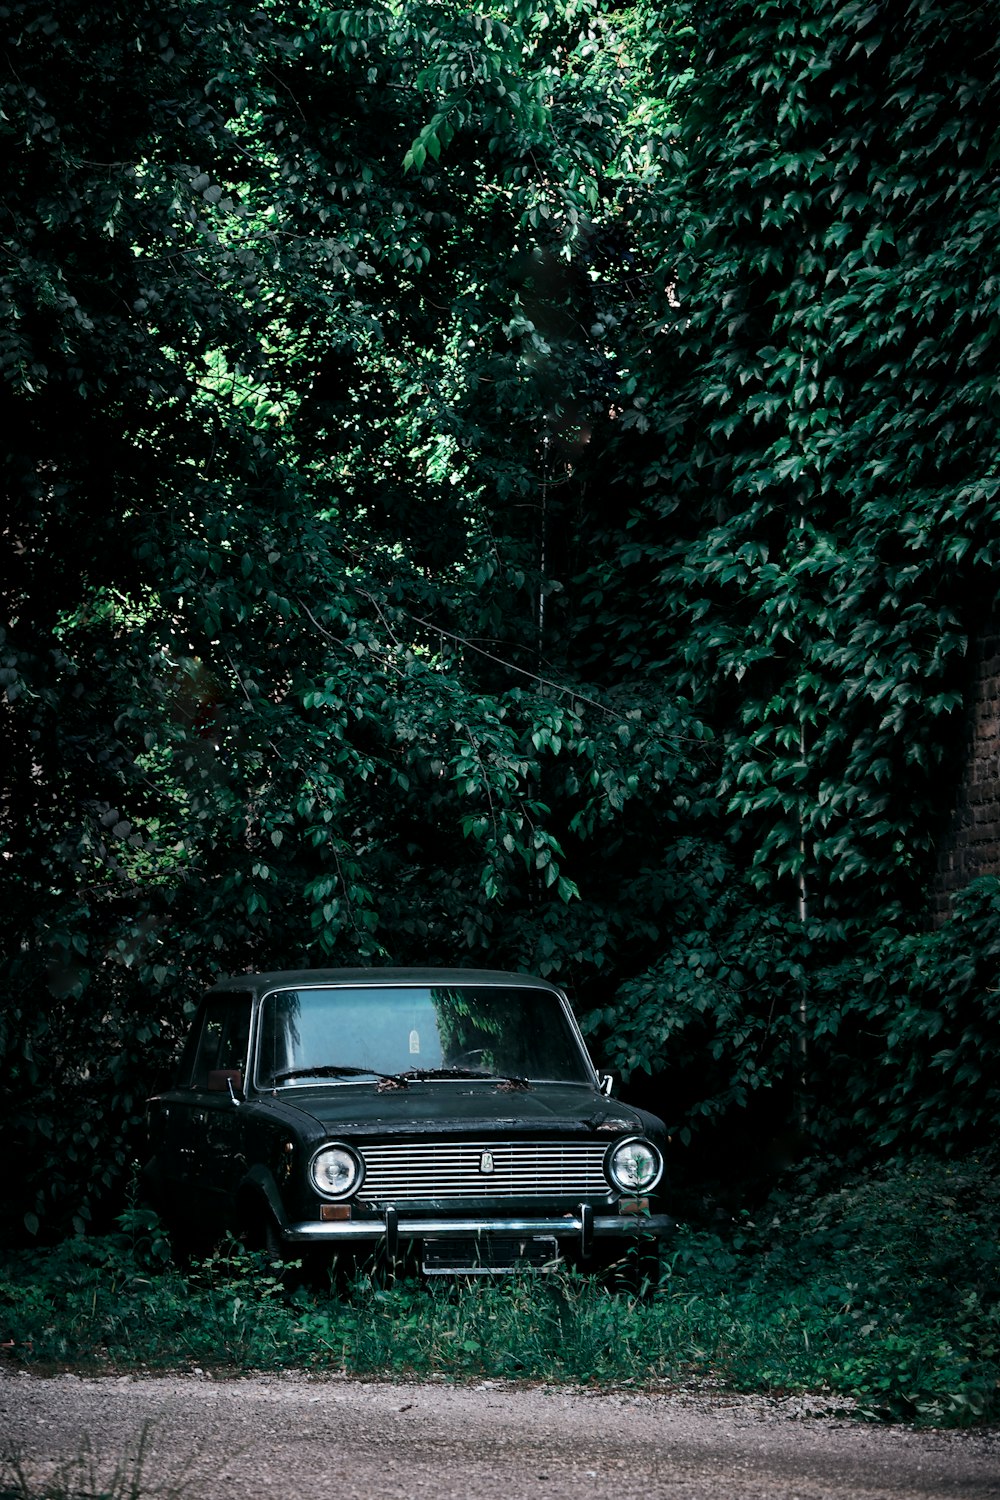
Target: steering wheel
x,y
464,1059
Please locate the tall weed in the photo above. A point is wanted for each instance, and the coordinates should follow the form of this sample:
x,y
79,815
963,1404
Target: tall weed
x,y
85,1476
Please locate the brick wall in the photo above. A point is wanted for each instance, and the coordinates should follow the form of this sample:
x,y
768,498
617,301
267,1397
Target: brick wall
x,y
971,846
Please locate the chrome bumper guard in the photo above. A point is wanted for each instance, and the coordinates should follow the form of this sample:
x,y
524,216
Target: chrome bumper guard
x,y
583,1225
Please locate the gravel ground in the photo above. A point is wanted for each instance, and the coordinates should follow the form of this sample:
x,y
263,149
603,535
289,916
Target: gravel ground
x,y
290,1435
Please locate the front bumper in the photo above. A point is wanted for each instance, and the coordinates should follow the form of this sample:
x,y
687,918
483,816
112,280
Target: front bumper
x,y
578,1230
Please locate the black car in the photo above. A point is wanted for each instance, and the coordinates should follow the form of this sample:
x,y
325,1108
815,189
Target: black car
x,y
450,1117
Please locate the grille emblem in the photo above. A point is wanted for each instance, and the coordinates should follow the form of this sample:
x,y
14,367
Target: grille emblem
x,y
486,1163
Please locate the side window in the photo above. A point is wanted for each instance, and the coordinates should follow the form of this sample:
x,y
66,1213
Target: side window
x,y
224,1038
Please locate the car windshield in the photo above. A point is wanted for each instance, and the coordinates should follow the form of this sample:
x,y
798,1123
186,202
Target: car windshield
x,y
370,1031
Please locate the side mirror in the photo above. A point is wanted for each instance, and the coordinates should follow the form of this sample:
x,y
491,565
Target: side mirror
x,y
606,1083
221,1080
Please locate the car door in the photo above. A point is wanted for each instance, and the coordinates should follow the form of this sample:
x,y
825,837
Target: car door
x,y
208,1127
221,1068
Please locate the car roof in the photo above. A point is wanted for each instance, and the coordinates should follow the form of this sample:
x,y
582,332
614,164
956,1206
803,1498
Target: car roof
x,y
300,978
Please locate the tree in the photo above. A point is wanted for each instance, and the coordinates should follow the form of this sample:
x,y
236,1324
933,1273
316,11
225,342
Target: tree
x,y
462,506
811,537
276,673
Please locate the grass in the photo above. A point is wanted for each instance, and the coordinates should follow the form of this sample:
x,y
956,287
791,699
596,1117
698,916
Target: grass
x,y
884,1294
85,1477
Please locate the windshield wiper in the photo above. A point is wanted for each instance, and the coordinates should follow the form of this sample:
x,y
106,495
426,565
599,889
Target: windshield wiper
x,y
330,1070
446,1073
398,1080
503,1080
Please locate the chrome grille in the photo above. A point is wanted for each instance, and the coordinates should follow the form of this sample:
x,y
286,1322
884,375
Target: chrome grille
x,y
484,1169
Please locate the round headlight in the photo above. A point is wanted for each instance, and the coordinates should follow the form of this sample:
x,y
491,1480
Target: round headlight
x,y
634,1166
335,1171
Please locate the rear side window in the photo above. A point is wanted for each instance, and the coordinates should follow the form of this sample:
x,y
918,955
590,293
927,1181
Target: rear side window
x,y
222,1039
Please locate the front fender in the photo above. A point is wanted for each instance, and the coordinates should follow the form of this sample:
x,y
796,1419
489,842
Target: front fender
x,y
259,1192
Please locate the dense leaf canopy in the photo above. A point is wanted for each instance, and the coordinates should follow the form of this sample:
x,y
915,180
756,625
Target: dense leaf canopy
x,y
513,490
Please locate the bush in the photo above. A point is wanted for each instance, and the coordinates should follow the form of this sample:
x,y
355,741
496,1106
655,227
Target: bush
x,y
882,1292
884,1289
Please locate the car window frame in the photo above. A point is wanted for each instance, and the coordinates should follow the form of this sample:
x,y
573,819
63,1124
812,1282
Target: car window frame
x,y
186,1075
589,1079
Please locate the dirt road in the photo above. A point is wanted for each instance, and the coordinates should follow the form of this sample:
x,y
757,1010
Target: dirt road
x,y
291,1436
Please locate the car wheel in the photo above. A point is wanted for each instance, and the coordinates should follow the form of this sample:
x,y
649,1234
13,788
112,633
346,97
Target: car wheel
x,y
258,1232
292,1265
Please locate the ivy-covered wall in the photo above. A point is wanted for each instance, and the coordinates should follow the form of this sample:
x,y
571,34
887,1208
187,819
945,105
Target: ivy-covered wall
x,y
971,847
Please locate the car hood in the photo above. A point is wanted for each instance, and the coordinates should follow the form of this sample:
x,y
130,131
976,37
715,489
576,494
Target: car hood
x,y
461,1108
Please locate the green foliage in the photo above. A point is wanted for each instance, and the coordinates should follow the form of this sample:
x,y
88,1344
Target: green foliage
x,y
287,702
817,513
802,546
887,1035
514,489
881,1292
724,1003
922,1009
885,1289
